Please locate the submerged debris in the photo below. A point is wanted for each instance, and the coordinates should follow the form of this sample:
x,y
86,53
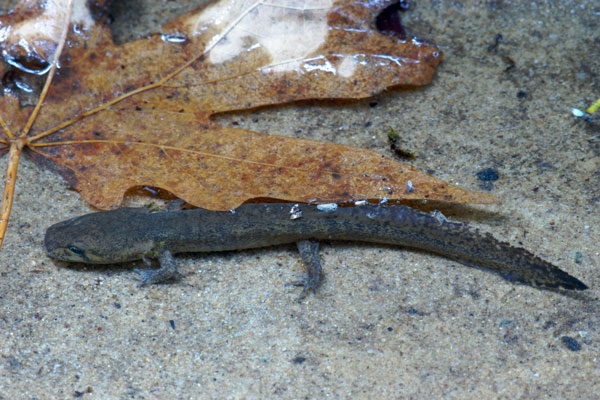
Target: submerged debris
x,y
571,343
394,138
587,114
487,176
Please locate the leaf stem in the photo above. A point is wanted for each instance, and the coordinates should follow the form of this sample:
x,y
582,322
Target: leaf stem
x,y
18,143
6,129
61,45
14,155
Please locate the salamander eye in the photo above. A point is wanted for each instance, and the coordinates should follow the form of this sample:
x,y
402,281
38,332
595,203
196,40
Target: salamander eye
x,y
75,250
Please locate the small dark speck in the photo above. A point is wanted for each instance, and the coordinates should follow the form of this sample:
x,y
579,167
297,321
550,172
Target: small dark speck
x,y
504,323
368,124
390,329
510,63
138,108
571,343
488,174
172,323
578,257
497,40
549,324
299,360
521,94
412,311
117,306
373,104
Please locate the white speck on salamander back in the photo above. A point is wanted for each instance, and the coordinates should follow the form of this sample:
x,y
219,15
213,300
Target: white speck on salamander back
x,y
329,207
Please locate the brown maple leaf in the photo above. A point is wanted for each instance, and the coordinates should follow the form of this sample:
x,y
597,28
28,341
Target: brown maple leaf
x,y
115,117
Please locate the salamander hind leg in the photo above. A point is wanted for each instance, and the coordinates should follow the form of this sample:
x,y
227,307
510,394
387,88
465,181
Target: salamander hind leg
x,y
309,251
166,272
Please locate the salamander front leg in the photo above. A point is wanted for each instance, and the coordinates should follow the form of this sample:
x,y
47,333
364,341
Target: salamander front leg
x,y
166,272
309,251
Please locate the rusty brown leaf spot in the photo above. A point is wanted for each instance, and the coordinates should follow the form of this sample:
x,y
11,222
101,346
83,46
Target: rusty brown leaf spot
x,y
117,117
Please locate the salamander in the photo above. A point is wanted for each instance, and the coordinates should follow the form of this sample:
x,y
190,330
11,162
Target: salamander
x,y
128,234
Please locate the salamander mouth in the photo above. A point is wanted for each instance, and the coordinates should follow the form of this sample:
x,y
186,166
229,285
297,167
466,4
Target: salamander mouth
x,y
63,254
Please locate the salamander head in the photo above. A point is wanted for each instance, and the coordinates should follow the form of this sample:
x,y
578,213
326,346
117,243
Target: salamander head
x,y
99,238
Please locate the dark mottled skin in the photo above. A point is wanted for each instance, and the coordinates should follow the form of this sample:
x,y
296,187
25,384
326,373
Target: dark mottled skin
x,y
135,233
